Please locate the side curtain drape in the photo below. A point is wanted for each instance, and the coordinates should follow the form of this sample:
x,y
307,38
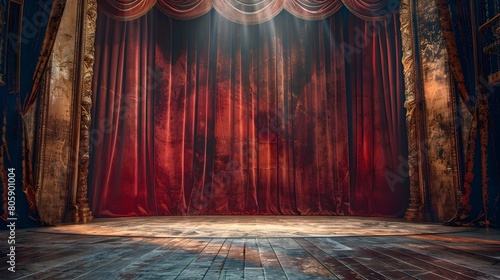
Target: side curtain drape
x,y
18,97
208,116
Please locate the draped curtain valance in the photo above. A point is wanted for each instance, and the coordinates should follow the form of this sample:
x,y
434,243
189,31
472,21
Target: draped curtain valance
x,y
248,11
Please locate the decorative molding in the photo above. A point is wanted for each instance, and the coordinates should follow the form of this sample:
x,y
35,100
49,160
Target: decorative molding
x,y
407,37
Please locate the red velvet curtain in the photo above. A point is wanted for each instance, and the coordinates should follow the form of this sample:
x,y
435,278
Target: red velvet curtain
x,y
208,116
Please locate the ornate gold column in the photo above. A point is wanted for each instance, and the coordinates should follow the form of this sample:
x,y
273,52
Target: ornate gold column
x,y
87,11
414,212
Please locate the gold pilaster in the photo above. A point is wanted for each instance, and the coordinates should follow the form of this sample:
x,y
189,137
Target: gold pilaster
x,y
79,209
414,211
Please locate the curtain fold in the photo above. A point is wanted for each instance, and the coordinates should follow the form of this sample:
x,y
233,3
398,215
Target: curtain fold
x,y
372,9
378,148
123,117
249,11
312,9
126,9
184,9
212,117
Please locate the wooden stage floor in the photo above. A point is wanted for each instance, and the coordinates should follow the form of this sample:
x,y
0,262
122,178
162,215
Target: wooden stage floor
x,y
256,247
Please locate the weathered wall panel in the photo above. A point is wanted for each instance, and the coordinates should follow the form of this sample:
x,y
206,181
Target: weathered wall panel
x,y
439,117
55,160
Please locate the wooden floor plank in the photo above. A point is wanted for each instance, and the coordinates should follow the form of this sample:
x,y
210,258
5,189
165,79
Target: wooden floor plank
x,y
253,265
234,265
445,264
368,260
50,246
48,262
484,250
215,269
73,269
198,268
447,273
404,266
360,245
270,264
338,269
31,254
298,263
117,257
449,253
176,263
350,258
137,264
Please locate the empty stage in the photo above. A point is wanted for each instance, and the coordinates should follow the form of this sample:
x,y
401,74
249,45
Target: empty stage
x,y
255,247
249,226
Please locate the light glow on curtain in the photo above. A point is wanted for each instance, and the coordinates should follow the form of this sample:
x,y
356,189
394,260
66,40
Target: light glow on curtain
x,y
207,116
